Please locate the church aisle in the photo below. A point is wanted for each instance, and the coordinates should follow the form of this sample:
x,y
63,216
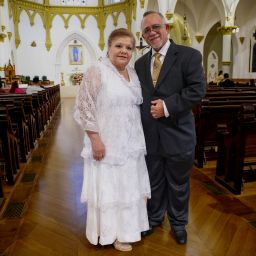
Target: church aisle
x,y
53,219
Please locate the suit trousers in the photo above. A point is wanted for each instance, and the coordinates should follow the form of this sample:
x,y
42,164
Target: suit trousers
x,y
170,188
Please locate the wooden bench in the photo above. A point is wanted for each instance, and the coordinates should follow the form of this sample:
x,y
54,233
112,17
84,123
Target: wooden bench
x,y
244,81
19,124
237,150
234,89
9,147
1,194
207,120
219,107
22,121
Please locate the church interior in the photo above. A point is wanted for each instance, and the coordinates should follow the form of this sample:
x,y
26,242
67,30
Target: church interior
x,y
45,47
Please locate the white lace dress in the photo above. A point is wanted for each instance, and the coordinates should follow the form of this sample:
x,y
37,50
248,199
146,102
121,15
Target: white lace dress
x,y
114,188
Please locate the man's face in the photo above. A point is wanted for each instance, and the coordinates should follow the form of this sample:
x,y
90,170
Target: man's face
x,y
154,31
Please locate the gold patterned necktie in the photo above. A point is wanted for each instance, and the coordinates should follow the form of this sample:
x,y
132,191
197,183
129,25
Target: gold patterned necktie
x,y
156,67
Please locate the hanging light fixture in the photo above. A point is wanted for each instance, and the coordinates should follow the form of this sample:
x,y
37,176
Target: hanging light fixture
x,y
185,28
73,2
185,33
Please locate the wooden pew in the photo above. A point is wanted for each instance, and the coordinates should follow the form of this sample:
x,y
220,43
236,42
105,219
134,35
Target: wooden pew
x,y
19,125
31,117
1,194
28,114
244,81
29,111
207,119
237,150
218,107
230,90
9,143
230,97
38,114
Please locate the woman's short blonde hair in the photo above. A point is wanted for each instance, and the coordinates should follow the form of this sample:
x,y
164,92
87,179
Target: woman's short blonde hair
x,y
121,32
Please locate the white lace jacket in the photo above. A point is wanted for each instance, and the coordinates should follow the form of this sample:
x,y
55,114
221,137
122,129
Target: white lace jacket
x,y
110,105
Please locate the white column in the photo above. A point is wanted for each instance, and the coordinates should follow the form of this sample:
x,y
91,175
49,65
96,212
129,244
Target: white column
x,y
226,48
198,43
163,6
226,51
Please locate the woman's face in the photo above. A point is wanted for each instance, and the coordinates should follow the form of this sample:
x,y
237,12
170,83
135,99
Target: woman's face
x,y
120,52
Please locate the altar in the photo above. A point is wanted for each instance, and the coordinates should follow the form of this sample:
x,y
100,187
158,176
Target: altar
x,y
70,83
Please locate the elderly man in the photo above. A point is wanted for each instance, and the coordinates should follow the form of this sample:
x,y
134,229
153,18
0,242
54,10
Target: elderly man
x,y
172,81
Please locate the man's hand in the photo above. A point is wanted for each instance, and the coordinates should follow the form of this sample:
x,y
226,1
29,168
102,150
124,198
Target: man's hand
x,y
157,108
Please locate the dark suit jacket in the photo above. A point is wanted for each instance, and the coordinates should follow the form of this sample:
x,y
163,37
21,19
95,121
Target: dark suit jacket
x,y
181,85
227,83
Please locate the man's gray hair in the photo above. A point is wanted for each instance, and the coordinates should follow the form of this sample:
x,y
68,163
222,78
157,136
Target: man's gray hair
x,y
154,12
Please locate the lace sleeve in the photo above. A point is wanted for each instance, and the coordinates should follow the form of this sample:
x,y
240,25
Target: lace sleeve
x,y
85,106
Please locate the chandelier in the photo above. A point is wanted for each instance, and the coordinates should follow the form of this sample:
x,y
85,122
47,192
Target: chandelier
x,y
185,28
73,2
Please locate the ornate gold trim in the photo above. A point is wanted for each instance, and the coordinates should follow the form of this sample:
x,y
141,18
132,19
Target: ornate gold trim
x,y
16,19
115,16
62,83
138,35
199,38
134,10
226,62
168,15
241,39
33,44
101,20
31,16
2,37
142,2
9,34
48,13
226,30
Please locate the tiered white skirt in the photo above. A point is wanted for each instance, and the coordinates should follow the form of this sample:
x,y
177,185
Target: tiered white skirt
x,y
116,200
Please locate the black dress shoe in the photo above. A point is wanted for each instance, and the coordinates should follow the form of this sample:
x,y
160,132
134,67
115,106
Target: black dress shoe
x,y
180,236
147,232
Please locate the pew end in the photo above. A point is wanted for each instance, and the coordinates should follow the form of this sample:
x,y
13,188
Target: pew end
x,y
236,163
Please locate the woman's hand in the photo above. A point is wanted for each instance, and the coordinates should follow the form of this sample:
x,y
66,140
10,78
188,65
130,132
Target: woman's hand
x,y
98,148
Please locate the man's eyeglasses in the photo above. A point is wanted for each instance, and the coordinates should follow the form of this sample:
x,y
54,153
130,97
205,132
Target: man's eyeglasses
x,y
154,27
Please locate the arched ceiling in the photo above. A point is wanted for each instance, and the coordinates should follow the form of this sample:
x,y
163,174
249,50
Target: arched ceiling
x,y
75,2
201,15
247,7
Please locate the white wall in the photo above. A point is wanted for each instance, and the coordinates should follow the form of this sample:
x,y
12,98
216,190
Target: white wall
x,y
39,61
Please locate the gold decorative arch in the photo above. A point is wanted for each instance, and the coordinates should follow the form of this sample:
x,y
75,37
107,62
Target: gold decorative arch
x,y
47,14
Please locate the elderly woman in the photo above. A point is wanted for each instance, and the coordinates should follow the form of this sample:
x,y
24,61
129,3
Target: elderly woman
x,y
116,183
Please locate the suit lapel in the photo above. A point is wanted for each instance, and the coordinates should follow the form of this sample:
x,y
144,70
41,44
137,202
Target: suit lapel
x,y
169,61
148,85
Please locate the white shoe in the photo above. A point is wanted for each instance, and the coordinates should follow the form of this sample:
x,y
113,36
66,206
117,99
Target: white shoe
x,y
123,247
